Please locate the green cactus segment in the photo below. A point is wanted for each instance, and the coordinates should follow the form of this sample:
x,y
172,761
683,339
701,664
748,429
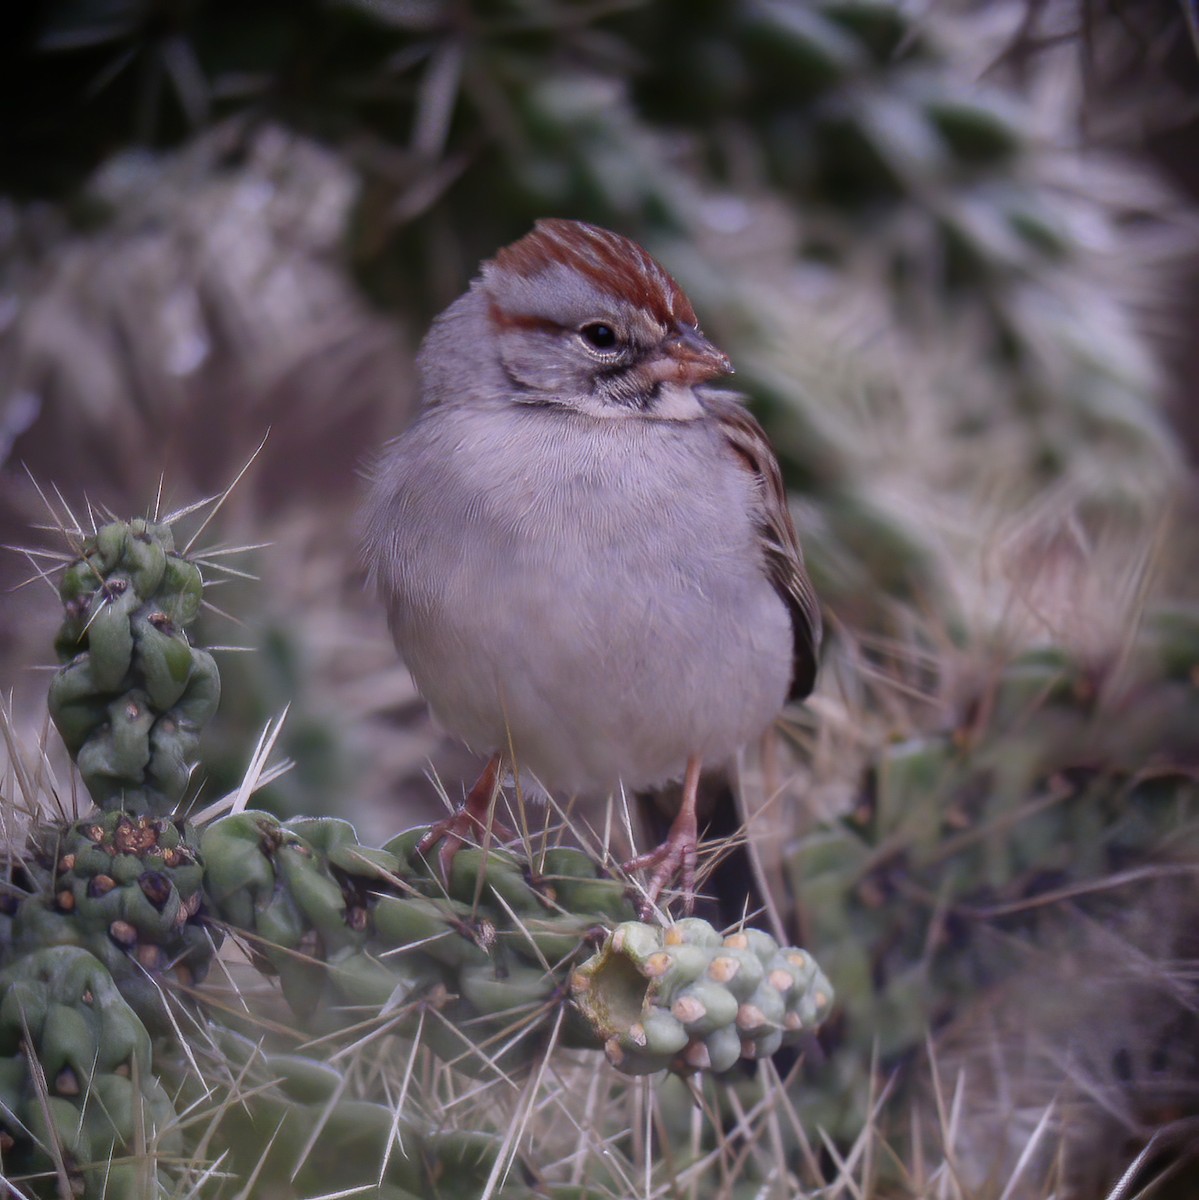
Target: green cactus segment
x,y
971,847
76,1082
300,1118
133,693
129,890
685,999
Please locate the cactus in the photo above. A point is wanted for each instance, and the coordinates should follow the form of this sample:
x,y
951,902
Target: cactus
x,y
969,847
298,1117
130,702
493,949
129,890
133,693
77,1089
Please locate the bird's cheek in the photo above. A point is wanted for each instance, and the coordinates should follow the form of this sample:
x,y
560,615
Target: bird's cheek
x,y
532,361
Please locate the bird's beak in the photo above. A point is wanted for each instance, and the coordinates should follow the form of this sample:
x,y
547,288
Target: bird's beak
x,y
688,358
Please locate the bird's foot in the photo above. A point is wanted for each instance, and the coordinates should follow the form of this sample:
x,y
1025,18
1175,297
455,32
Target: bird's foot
x,y
475,820
674,858
462,827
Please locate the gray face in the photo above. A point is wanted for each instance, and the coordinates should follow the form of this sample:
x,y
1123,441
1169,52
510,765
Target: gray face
x,y
577,318
562,340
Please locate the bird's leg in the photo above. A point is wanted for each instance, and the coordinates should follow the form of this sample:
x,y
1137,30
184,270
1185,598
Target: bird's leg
x,y
676,855
474,819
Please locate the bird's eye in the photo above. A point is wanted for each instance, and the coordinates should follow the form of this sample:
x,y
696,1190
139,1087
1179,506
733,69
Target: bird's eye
x,y
599,336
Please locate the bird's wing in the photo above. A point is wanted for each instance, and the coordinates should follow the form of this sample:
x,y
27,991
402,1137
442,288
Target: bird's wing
x,y
783,558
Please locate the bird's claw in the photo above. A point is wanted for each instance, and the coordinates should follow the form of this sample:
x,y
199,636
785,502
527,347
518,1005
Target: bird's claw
x,y
674,858
461,827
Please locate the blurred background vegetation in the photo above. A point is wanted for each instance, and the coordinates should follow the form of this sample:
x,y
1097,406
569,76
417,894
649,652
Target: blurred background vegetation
x,y
950,247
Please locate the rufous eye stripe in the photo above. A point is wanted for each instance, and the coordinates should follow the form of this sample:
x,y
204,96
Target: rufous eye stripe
x,y
505,320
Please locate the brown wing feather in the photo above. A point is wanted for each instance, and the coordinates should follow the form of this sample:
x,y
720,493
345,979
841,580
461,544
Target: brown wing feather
x,y
780,544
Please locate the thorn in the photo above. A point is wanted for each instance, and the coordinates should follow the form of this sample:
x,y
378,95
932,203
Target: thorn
x,y
220,612
226,494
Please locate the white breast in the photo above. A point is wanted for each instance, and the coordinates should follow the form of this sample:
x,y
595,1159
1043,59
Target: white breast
x,y
590,592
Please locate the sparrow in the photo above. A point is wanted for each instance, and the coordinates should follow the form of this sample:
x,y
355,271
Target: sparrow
x,y
584,548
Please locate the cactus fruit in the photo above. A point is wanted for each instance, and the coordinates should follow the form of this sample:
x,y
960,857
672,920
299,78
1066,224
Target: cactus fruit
x,y
126,888
133,693
76,1082
684,998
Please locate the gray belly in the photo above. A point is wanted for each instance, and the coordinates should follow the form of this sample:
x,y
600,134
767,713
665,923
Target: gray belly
x,y
605,615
